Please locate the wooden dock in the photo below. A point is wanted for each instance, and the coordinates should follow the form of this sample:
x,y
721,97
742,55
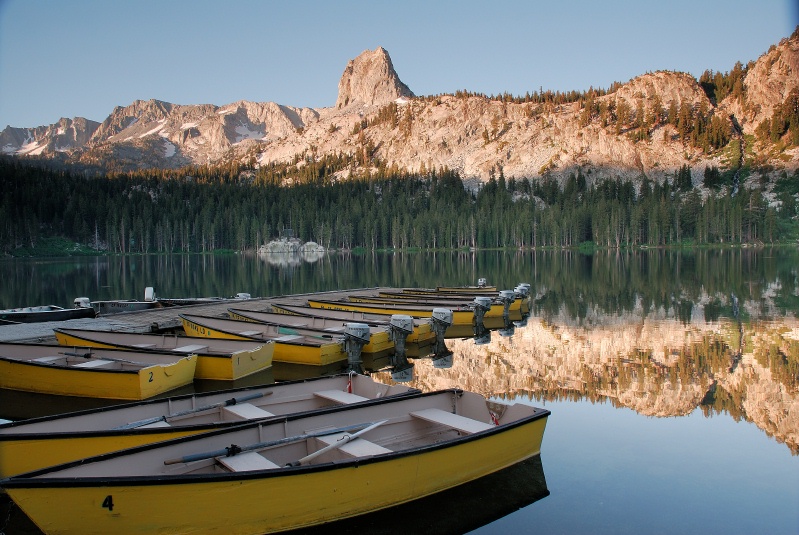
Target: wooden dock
x,y
154,320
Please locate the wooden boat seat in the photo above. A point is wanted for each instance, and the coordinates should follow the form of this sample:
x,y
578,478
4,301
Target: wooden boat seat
x,y
339,396
456,421
245,411
93,363
358,447
52,358
289,338
190,348
242,462
250,333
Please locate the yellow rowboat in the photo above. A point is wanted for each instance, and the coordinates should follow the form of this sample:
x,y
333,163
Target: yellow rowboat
x,y
422,334
459,317
300,471
497,309
216,359
289,348
378,346
41,442
88,372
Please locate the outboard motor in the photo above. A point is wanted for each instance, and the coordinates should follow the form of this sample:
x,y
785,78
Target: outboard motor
x,y
523,289
82,302
243,295
356,335
481,282
482,336
440,321
507,297
400,327
149,294
481,305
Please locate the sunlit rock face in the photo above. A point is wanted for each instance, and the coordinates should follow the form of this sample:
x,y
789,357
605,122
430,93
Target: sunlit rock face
x,y
370,80
658,367
474,135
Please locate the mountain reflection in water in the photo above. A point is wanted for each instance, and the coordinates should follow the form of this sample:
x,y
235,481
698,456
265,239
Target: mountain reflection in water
x,y
655,365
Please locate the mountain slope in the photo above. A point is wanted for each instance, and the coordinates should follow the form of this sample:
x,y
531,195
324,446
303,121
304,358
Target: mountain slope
x,y
629,132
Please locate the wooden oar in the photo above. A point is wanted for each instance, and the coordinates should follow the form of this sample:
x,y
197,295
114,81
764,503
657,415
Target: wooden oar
x,y
234,449
340,442
167,417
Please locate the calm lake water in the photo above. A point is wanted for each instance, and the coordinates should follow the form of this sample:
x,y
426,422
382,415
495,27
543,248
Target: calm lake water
x,y
672,378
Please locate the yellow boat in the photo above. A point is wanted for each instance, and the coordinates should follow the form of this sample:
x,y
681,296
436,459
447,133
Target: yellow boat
x,y
46,441
459,317
89,372
216,360
272,476
497,308
421,336
379,345
292,349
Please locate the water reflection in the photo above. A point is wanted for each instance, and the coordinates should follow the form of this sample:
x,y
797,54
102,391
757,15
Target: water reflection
x,y
657,366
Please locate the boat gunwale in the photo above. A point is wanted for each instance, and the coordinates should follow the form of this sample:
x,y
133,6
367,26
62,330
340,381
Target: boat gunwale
x,y
31,479
151,401
50,366
204,354
308,341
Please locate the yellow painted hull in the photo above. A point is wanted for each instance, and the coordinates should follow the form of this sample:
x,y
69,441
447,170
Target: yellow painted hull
x,y
25,454
380,343
314,355
107,384
422,334
460,317
497,309
266,503
211,367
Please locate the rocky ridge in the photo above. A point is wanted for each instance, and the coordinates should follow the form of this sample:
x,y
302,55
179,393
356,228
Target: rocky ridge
x,y
472,134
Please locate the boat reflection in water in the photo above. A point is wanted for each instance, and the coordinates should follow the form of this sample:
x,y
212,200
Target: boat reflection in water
x,y
458,510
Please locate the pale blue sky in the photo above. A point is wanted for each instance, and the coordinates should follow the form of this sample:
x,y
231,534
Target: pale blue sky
x,y
80,58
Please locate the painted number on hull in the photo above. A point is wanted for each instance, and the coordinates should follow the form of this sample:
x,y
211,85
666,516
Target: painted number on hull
x,y
151,378
108,503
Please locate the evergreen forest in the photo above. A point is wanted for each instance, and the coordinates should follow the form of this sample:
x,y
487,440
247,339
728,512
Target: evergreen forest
x,y
205,209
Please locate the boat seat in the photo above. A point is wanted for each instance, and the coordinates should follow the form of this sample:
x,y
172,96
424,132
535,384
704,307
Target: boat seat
x,y
339,396
357,447
160,423
190,348
456,421
289,338
93,363
245,411
251,333
242,462
48,359
144,346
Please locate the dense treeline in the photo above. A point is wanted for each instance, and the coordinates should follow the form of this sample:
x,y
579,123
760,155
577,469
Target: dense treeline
x,y
207,209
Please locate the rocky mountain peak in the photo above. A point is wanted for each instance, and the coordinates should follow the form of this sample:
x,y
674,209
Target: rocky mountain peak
x,y
370,80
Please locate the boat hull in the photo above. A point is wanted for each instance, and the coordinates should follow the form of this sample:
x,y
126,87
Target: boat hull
x,y
142,383
285,351
421,336
47,441
215,367
44,313
237,505
459,317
